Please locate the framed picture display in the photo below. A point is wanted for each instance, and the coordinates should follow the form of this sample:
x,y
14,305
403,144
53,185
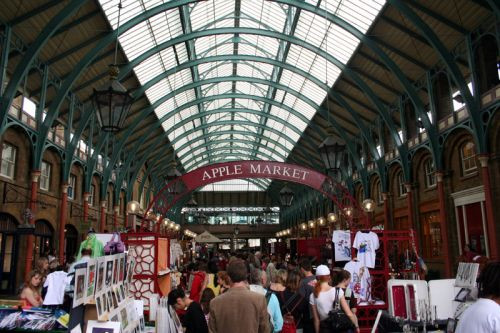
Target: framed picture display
x,y
124,317
121,273
118,294
91,279
112,303
98,305
130,268
122,291
100,274
109,272
116,266
94,326
80,286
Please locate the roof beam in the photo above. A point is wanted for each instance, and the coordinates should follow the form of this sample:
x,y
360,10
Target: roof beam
x,y
76,48
438,17
35,11
78,21
195,75
400,53
378,82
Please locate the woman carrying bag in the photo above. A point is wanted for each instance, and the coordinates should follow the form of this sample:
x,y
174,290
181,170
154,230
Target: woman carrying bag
x,y
331,313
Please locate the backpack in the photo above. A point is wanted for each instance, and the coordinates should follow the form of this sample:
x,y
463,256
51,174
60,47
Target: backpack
x,y
269,293
289,324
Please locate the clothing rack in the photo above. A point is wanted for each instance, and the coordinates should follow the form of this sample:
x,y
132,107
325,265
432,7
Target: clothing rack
x,y
393,244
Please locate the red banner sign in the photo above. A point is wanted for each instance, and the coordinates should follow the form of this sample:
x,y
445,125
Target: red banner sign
x,y
252,169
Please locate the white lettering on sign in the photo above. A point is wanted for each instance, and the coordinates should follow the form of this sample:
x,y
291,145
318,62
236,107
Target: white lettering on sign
x,y
274,170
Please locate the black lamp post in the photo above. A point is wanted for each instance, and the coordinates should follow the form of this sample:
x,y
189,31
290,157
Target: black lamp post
x,y
286,196
112,103
332,153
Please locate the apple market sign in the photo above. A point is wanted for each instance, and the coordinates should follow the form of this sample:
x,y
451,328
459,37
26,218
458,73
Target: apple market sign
x,y
253,169
167,197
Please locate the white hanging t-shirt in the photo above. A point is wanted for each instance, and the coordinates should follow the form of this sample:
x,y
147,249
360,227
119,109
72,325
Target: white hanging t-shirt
x,y
360,280
342,242
55,283
367,244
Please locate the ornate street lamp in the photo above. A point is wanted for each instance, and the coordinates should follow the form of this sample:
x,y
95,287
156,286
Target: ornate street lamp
x,y
332,153
171,175
112,103
286,196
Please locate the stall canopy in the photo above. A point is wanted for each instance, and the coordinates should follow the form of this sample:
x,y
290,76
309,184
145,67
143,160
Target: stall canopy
x,y
207,237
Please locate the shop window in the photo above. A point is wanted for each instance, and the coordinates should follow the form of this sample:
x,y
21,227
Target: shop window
x,y
468,157
401,184
431,232
9,153
92,195
430,174
71,187
45,176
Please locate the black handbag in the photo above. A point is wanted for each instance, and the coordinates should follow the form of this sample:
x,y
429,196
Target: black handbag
x,y
338,320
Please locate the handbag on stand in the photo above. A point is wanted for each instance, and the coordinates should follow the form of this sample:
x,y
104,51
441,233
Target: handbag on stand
x,y
339,321
114,247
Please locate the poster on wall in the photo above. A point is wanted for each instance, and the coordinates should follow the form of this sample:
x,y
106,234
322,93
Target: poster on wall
x,y
80,286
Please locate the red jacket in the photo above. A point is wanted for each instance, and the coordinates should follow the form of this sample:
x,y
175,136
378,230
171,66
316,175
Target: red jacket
x,y
195,292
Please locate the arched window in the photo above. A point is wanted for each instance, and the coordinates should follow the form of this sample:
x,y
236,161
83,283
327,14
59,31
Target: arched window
x,y
468,158
430,174
401,184
43,238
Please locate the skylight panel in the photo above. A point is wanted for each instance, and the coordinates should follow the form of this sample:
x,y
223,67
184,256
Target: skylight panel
x,y
313,29
268,43
247,49
232,185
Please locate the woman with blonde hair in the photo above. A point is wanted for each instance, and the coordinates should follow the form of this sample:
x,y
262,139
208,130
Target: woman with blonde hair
x,y
30,295
223,281
322,302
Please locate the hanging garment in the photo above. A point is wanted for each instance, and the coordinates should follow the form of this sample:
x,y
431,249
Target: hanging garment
x,y
367,244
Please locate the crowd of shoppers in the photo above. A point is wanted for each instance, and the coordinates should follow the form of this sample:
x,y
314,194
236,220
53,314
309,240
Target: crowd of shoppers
x,y
256,293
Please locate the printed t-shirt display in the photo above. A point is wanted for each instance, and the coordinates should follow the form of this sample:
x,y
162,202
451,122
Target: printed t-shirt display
x,y
342,242
360,280
367,244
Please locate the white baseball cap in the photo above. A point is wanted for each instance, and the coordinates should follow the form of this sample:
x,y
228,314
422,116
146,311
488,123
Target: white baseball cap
x,y
322,270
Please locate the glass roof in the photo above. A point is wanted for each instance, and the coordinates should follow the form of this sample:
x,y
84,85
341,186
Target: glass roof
x,y
221,107
237,185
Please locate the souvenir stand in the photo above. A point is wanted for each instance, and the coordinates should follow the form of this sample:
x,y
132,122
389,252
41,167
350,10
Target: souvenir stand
x,y
151,275
395,256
